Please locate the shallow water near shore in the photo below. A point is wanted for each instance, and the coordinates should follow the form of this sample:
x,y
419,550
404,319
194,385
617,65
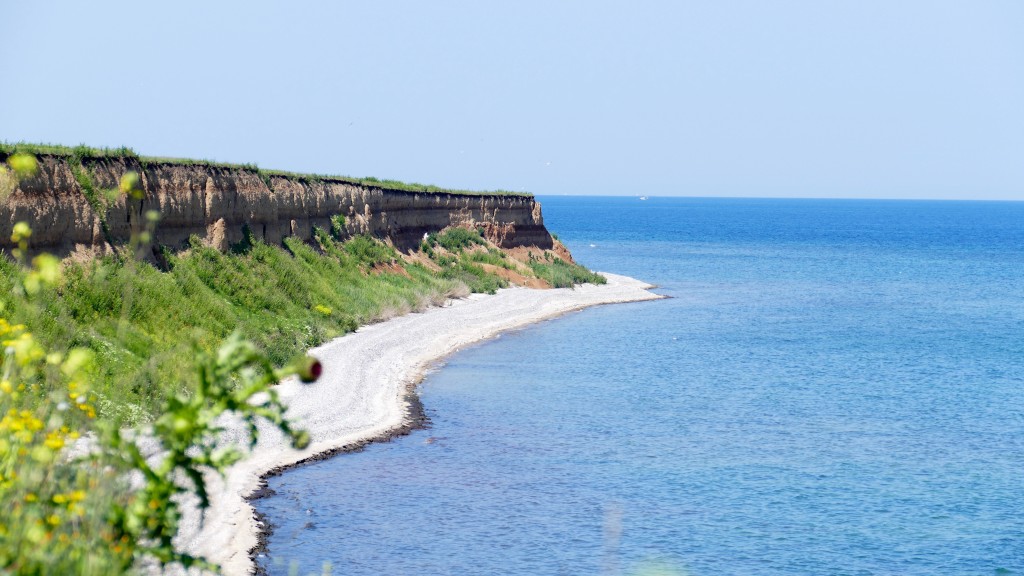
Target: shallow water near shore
x,y
836,387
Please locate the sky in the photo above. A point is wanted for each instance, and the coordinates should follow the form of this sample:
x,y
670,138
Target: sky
x,y
847,99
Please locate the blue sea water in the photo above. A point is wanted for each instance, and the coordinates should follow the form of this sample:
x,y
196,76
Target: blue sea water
x,y
836,387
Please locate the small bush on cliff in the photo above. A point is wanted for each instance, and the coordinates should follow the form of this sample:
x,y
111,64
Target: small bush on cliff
x,y
456,239
473,276
493,257
369,251
338,226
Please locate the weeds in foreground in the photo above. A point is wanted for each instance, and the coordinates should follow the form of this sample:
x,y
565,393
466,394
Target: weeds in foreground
x,y
100,506
78,494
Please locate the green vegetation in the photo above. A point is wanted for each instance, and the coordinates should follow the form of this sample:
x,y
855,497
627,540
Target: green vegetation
x,y
85,154
116,347
80,151
338,226
456,239
105,507
84,514
141,321
473,276
458,264
464,250
494,257
561,274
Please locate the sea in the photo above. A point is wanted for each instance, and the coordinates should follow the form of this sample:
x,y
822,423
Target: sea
x,y
834,387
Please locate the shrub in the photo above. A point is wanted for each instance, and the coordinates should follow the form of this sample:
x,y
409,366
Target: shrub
x,y
338,226
562,274
456,239
369,251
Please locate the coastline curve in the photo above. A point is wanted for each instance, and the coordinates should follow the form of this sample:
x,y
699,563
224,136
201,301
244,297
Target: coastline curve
x,y
366,395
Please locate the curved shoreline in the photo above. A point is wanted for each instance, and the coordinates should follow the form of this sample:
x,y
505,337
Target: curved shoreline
x,y
363,397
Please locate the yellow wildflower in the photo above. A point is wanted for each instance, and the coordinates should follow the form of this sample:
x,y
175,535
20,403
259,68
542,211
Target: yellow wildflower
x,y
54,440
24,165
21,231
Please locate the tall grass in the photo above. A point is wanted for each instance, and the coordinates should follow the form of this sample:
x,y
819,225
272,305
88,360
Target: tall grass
x,y
561,274
460,251
141,322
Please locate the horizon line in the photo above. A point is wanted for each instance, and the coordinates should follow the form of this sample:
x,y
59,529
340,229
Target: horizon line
x,y
842,198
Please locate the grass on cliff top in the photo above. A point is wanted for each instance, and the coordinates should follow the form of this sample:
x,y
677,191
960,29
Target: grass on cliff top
x,y
86,153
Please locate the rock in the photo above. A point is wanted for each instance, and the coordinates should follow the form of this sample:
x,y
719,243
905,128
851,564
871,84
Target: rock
x,y
215,203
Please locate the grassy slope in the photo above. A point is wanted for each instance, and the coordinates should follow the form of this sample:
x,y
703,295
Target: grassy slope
x,y
145,324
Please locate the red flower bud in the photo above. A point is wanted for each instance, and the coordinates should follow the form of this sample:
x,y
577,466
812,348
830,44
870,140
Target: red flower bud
x,y
309,369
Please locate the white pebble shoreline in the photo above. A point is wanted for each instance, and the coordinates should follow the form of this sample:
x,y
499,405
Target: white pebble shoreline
x,y
361,395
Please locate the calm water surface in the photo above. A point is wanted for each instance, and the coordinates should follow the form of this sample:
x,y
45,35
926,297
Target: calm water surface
x,y
835,388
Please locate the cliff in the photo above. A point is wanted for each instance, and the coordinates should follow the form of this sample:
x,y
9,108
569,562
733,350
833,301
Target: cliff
x,y
216,203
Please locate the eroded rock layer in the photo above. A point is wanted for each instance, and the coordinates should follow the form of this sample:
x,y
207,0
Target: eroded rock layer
x,y
217,204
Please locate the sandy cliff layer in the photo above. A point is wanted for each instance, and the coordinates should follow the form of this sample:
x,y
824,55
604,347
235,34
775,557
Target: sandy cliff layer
x,y
216,203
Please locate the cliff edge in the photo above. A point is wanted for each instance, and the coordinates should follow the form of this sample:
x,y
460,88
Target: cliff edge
x,y
69,213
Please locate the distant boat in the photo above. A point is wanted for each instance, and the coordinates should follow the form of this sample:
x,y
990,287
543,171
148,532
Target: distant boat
x,y
643,197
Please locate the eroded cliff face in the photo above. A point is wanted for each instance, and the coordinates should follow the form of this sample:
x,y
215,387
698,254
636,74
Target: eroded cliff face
x,y
216,203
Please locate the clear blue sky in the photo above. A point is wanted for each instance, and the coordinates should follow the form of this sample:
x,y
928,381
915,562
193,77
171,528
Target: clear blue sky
x,y
897,99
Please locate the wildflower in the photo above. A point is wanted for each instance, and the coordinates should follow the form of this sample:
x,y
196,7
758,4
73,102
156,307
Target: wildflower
x,y
309,369
54,440
46,267
131,185
20,232
76,360
24,165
